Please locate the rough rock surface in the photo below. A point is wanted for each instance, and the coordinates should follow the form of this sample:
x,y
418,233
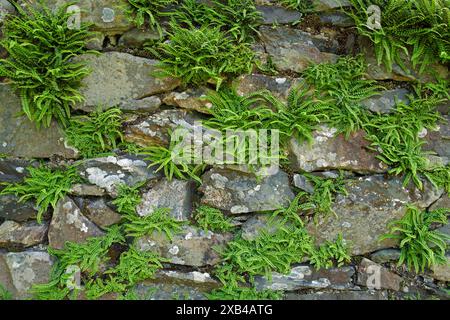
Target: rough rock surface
x,y
278,86
120,77
191,247
19,137
278,15
195,278
136,38
86,190
176,195
14,170
154,129
6,8
374,276
12,209
292,50
16,236
438,140
5,276
386,101
363,216
190,99
442,271
69,224
27,269
109,172
328,151
305,276
385,255
168,291
228,190
98,211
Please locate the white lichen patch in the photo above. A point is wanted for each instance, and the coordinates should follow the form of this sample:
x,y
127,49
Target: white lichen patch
x,y
239,209
174,250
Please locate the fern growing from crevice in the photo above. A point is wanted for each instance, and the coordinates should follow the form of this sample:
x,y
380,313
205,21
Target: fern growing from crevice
x,y
96,133
421,247
198,56
41,47
44,185
418,30
148,12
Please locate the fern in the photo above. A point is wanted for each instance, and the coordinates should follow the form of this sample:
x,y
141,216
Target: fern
x,y
166,159
97,133
325,190
421,27
212,219
148,12
158,221
5,294
88,256
421,247
128,198
133,266
198,56
237,18
40,49
396,138
45,186
344,87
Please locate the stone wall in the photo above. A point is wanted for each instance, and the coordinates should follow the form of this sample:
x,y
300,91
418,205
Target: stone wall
x,y
121,76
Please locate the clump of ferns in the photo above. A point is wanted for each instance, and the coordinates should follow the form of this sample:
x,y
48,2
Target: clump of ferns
x,y
344,87
148,13
239,19
298,117
202,55
283,242
419,30
421,246
397,138
98,133
41,46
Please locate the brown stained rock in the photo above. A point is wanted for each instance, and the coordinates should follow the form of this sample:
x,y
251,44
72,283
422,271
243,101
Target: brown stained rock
x,y
441,271
278,86
191,99
328,152
6,280
374,276
16,236
12,209
69,224
98,212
